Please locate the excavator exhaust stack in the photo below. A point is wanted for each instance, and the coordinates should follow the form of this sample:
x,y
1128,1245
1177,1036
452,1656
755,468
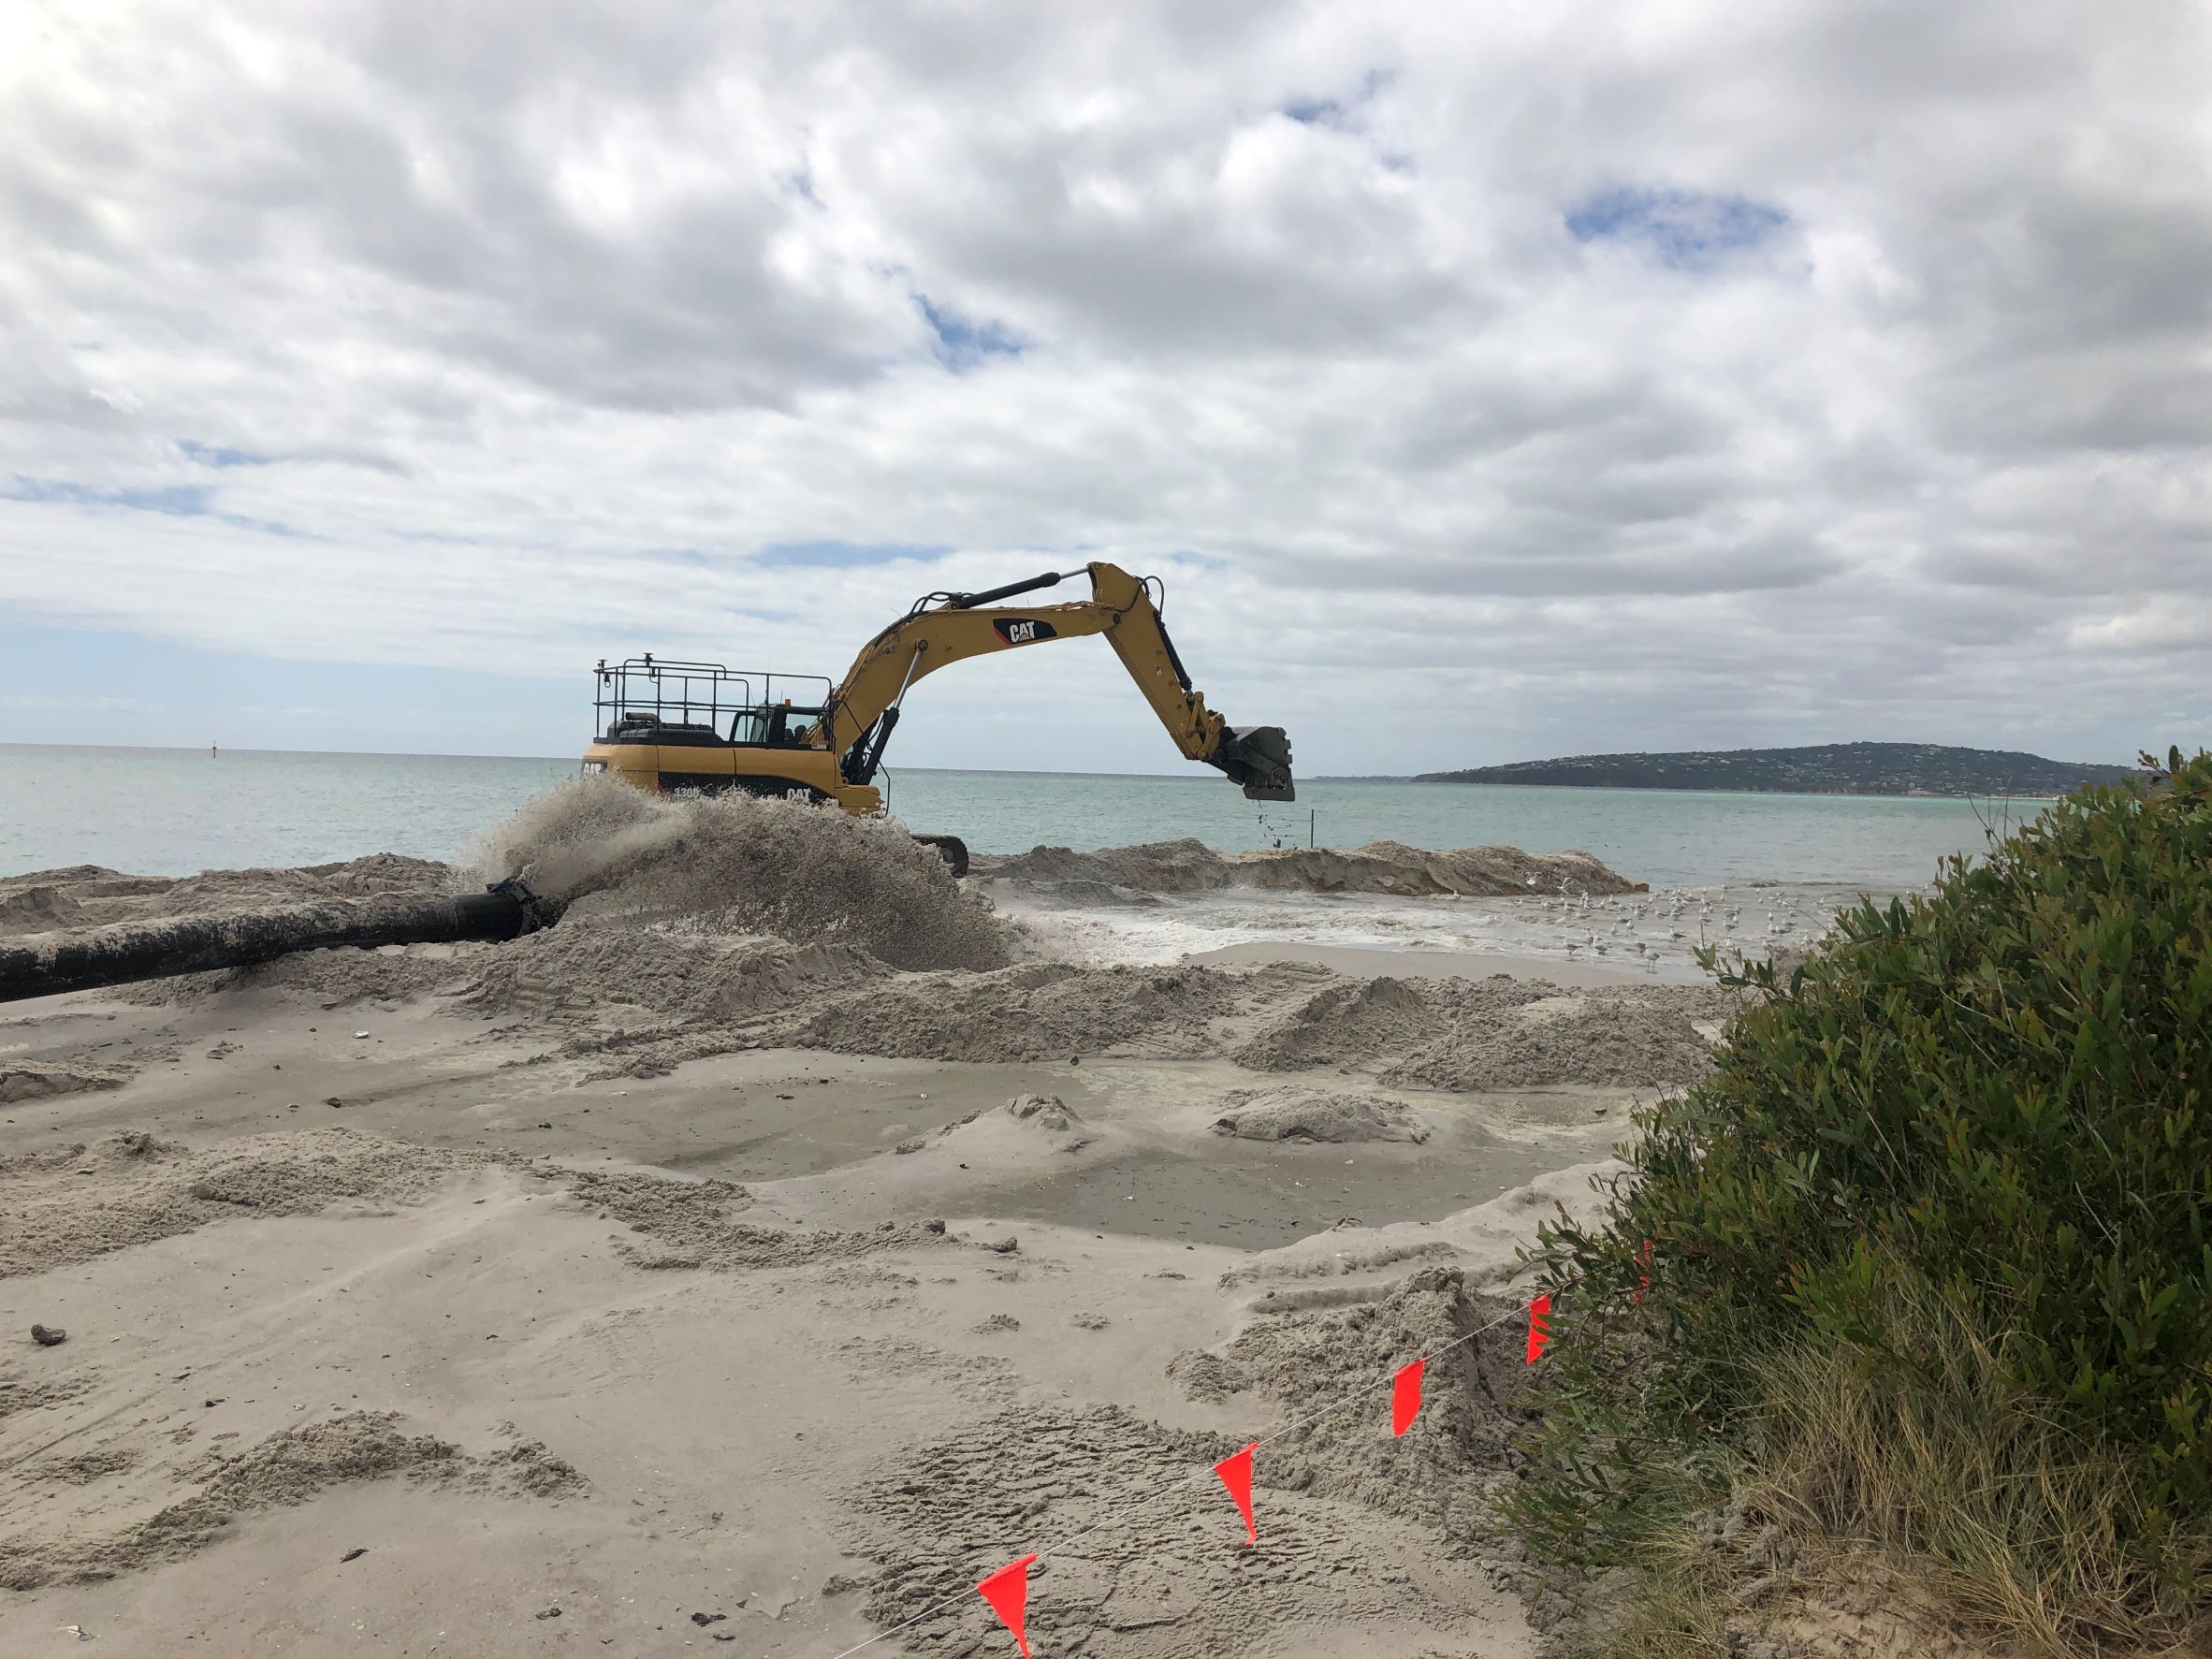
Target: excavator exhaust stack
x,y
1258,757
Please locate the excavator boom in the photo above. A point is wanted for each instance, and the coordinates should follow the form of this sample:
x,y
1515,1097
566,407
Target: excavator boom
x,y
864,709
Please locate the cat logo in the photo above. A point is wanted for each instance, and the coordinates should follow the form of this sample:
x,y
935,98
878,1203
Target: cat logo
x,y
1023,630
802,794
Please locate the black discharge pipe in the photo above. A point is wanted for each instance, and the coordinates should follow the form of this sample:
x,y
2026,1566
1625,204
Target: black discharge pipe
x,y
48,964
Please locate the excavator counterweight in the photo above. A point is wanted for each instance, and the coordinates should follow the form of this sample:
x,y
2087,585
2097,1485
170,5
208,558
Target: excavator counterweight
x,y
673,726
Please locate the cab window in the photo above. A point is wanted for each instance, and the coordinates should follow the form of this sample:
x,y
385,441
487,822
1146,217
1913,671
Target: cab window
x,y
789,727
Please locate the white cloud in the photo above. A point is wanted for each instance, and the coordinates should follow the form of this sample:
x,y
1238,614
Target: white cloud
x,y
1872,399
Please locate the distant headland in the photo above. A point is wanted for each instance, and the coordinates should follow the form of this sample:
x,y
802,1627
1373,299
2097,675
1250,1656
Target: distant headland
x,y
1822,769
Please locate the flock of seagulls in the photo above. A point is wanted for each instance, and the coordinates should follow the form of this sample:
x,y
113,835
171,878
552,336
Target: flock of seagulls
x,y
1644,926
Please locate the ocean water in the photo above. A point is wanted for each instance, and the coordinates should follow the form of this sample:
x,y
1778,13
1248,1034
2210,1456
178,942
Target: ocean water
x,y
160,811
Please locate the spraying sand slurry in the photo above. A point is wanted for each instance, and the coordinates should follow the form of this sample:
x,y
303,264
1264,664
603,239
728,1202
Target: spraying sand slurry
x,y
748,865
840,1237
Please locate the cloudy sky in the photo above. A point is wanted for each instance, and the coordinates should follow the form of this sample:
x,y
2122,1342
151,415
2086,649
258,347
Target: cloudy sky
x,y
1486,382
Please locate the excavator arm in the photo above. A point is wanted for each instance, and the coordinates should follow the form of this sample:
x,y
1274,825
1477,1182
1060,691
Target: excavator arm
x,y
947,627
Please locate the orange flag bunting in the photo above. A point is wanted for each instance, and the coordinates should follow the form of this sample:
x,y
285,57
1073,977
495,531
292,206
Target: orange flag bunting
x,y
1405,1396
1236,1473
1007,1592
1539,1326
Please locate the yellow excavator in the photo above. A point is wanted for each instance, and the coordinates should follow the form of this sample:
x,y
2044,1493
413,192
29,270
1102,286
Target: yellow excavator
x,y
674,726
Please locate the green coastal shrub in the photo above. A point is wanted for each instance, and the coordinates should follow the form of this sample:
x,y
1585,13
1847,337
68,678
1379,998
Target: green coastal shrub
x,y
1930,1252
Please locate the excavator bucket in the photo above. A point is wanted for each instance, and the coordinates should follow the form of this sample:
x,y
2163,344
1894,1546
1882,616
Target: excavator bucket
x,y
1258,757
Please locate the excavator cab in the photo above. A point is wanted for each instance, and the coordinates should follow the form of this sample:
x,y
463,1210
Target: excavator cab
x,y
775,725
674,726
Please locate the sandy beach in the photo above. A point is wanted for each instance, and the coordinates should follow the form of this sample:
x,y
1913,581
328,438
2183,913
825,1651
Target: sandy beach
x,y
785,1240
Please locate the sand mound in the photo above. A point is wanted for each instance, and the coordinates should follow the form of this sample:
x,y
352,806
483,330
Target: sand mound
x,y
1046,1112
71,875
38,910
1635,1038
1497,1033
1411,872
282,1471
1302,1114
391,973
380,875
79,1203
1154,866
1039,1011
332,978
801,873
1380,867
1093,895
88,896
586,967
1354,1020
578,973
1301,1358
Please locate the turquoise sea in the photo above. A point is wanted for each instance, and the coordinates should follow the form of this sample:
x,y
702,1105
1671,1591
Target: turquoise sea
x,y
165,811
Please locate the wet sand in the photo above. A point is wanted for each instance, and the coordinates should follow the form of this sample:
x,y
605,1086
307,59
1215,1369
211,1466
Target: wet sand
x,y
575,1321
725,1421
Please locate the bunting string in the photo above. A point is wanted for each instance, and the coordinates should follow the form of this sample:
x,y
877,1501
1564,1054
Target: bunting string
x,y
1007,1588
